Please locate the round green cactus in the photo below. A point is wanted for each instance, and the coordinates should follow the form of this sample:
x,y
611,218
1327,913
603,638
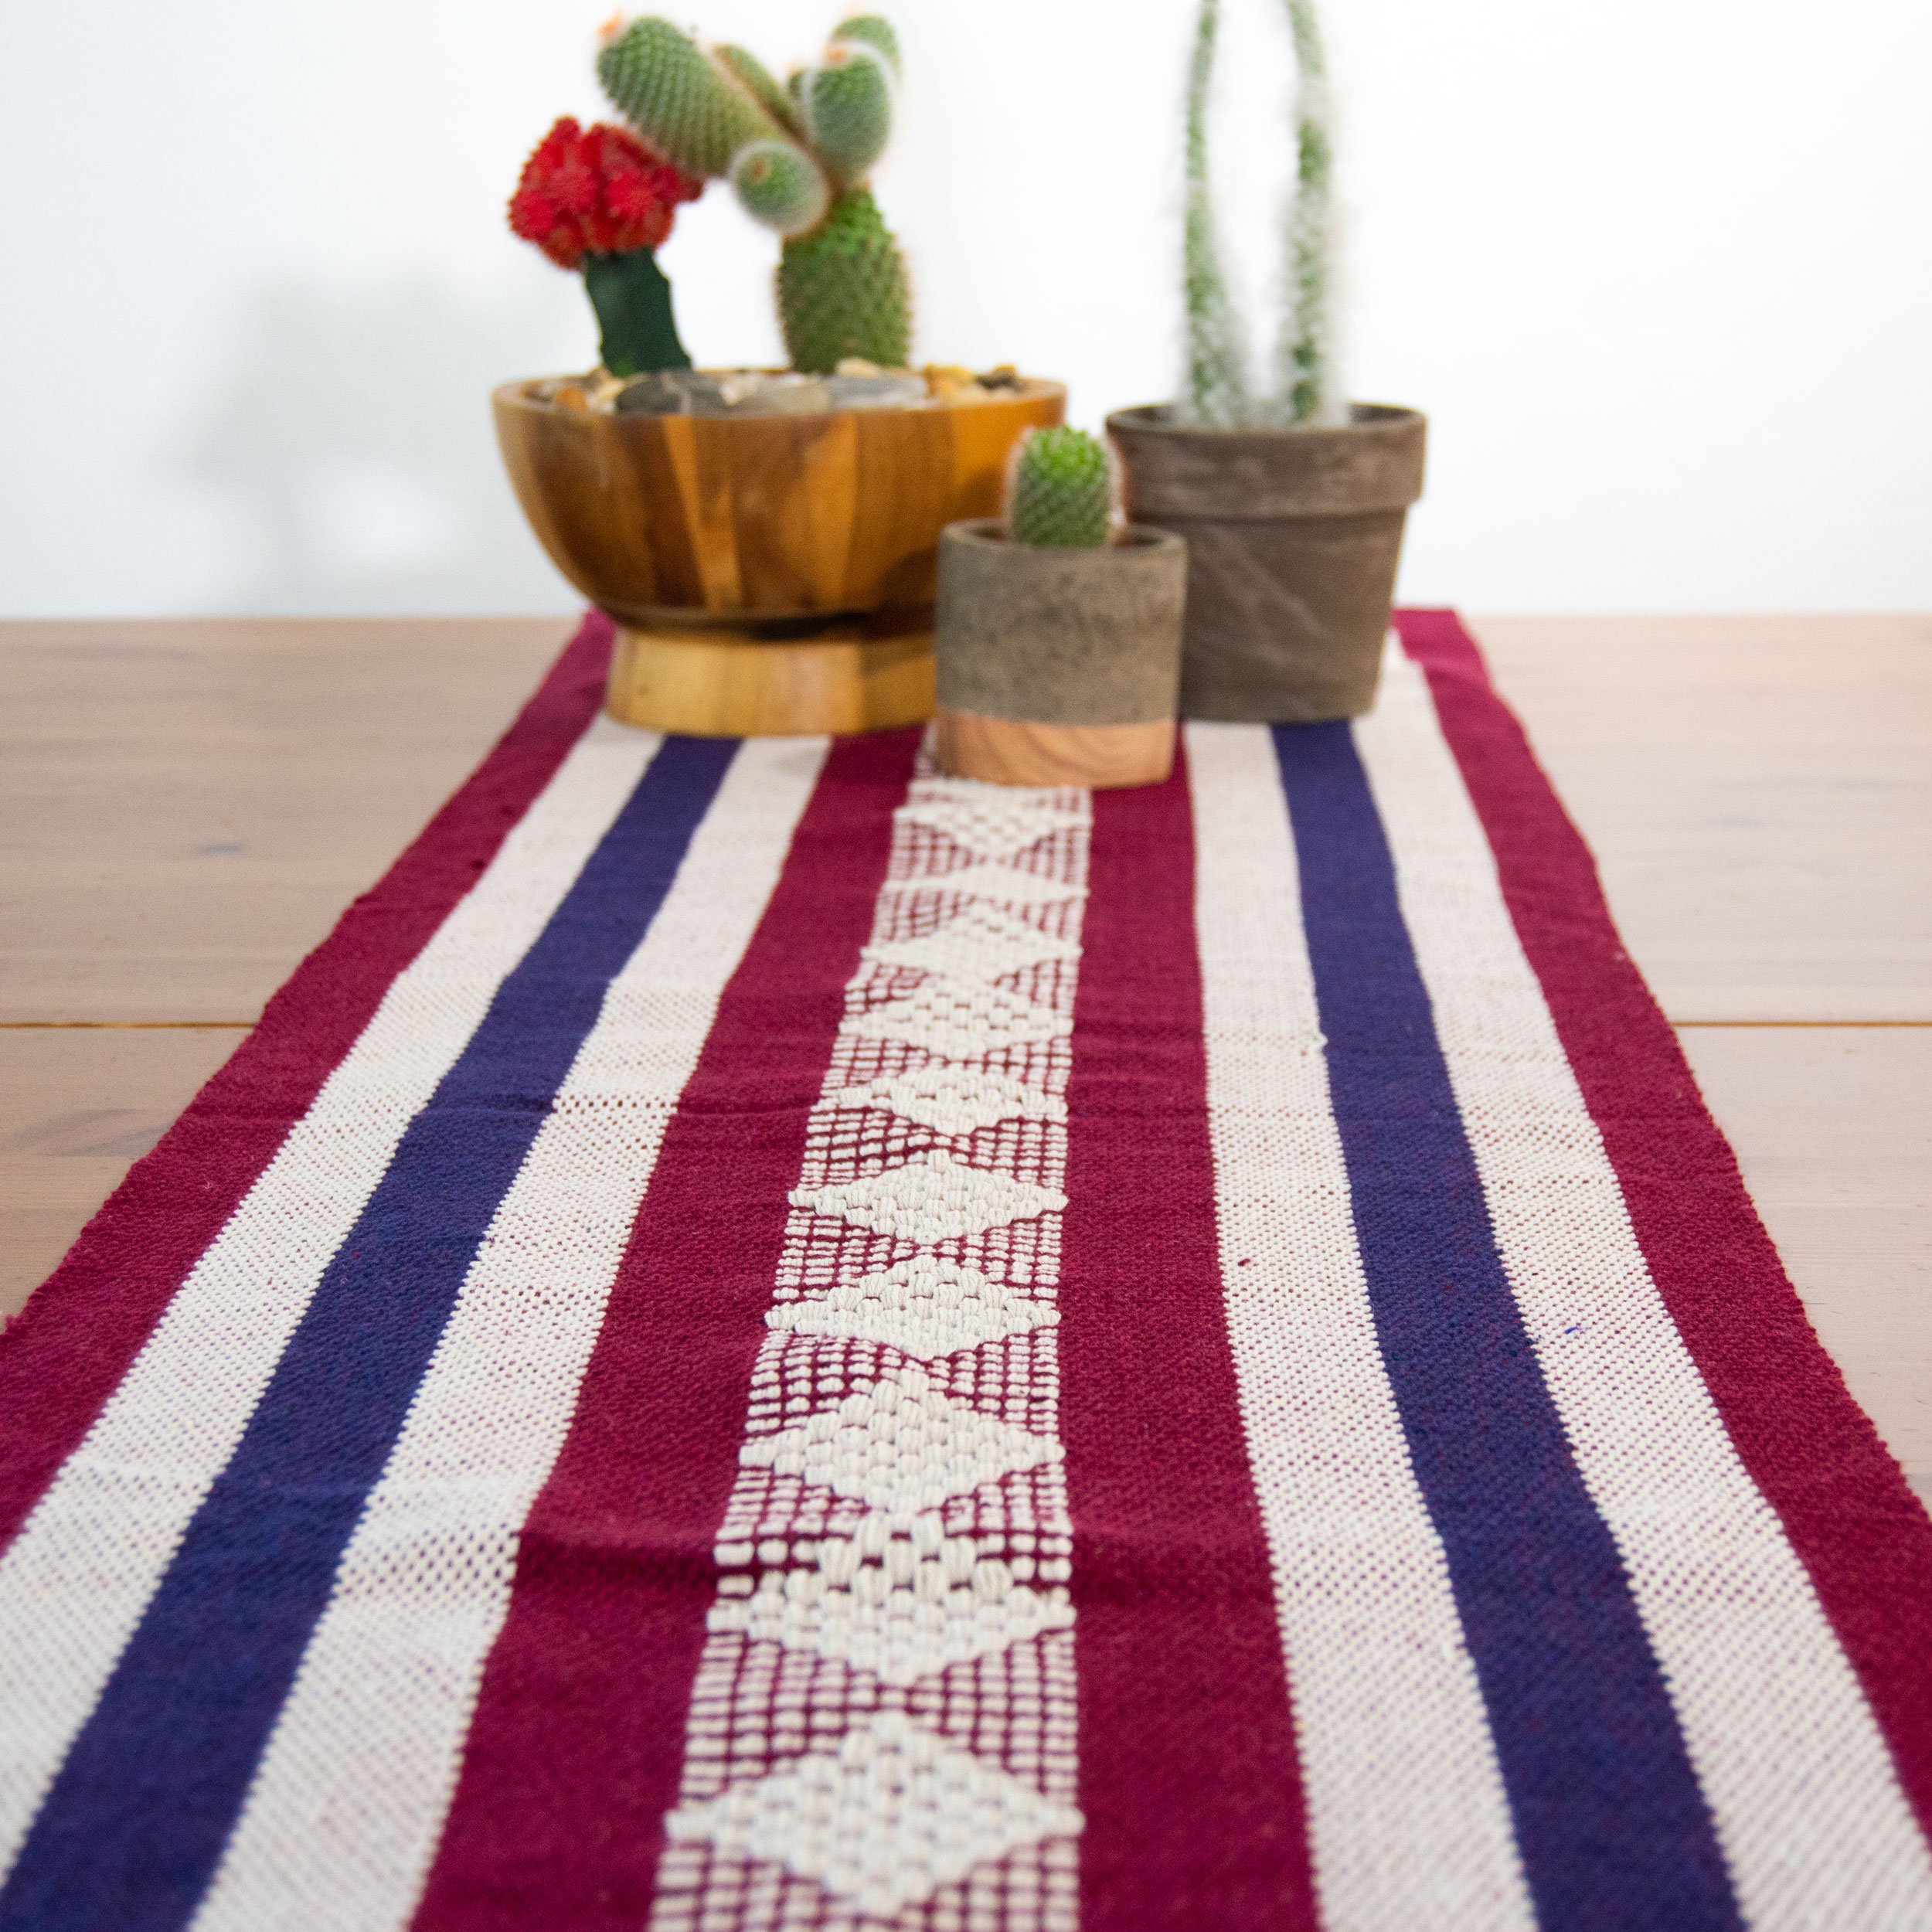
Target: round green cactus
x,y
780,185
875,30
848,109
679,99
842,291
1060,490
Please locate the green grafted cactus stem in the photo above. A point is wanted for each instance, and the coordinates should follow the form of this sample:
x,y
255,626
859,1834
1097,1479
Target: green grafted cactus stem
x,y
633,303
843,291
1060,490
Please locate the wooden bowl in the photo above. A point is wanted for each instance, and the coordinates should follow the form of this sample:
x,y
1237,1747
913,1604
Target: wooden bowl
x,y
671,520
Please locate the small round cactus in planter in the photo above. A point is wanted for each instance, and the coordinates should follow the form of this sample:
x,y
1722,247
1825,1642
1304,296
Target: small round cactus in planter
x,y
1060,629
1062,490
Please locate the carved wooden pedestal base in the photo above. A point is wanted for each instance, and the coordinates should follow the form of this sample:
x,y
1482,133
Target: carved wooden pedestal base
x,y
725,683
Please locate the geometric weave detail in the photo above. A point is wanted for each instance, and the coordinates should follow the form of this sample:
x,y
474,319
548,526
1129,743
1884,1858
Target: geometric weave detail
x,y
988,820
931,1198
898,1445
894,1549
926,1604
954,1100
981,942
925,1307
961,1020
893,1815
1000,883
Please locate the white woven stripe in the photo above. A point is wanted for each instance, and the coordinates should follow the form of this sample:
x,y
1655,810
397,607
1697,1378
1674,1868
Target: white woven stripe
x,y
346,1809
79,1574
1408,1819
1812,1820
881,1732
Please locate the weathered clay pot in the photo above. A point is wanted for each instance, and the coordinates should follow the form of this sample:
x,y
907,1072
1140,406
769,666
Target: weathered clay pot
x,y
1293,537
1058,667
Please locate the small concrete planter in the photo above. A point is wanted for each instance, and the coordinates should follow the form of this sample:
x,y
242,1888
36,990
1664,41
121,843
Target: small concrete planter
x,y
1058,667
1293,537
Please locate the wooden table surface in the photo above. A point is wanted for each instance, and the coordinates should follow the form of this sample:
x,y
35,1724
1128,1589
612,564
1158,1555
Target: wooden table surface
x,y
185,807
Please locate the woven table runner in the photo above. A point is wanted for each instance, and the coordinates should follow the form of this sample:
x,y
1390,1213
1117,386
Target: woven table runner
x,y
765,1339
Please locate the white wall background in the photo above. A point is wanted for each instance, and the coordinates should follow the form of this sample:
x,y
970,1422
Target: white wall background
x,y
1660,270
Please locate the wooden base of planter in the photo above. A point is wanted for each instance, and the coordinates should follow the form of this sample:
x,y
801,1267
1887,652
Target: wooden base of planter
x,y
728,683
1010,751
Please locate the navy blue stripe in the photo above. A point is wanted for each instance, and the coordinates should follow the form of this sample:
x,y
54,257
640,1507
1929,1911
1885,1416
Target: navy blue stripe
x,y
130,1834
1613,1829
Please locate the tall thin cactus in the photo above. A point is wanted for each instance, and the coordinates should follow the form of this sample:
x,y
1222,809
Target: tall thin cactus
x,y
1217,377
1305,374
1217,394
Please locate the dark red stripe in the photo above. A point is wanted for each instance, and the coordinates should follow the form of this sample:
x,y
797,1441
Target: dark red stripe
x,y
1188,1776
1845,1503
578,1741
70,1346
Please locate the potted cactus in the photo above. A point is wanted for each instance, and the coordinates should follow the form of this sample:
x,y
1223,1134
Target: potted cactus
x,y
1060,630
797,511
1292,502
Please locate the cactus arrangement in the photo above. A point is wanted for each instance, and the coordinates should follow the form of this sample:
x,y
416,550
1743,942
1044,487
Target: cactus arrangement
x,y
1217,393
597,200
798,157
1061,490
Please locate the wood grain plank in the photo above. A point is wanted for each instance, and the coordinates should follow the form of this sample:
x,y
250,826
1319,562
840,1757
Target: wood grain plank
x,y
186,808
78,1109
1758,792
1833,1128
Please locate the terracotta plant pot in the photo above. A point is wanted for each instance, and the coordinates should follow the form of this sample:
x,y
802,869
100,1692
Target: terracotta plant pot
x,y
768,574
1293,538
1058,667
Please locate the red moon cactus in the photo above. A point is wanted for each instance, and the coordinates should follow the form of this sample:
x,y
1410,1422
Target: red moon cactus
x,y
596,190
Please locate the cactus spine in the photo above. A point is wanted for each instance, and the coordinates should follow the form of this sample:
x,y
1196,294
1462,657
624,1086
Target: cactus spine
x,y
1217,393
1060,491
797,158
